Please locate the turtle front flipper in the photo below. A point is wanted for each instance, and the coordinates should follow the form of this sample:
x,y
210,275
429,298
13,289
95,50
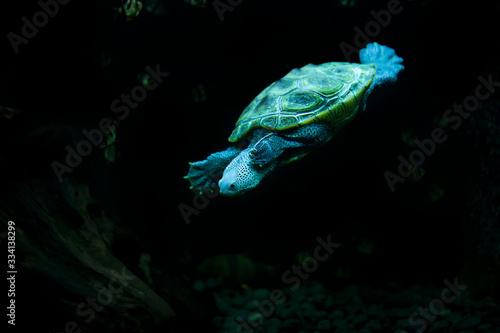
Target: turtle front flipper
x,y
267,149
204,175
270,146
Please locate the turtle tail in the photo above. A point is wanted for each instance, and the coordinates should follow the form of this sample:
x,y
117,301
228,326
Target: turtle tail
x,y
387,63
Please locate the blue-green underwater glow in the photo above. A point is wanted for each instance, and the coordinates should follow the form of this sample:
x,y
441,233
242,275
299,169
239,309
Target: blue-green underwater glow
x,y
252,166
293,116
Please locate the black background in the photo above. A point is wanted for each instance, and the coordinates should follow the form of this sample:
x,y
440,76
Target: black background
x,y
339,189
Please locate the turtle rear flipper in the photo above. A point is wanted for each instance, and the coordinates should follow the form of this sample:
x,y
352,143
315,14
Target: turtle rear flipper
x,y
387,63
204,175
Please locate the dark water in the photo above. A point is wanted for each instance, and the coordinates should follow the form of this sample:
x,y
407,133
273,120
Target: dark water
x,y
200,263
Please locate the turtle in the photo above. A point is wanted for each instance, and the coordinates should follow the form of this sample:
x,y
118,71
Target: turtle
x,y
293,116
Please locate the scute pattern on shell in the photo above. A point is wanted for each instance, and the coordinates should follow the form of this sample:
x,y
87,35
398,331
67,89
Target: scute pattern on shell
x,y
328,93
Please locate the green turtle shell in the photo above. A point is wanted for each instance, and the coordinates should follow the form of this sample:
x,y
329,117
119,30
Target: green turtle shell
x,y
329,93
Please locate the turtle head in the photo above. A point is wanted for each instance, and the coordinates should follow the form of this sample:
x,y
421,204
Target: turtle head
x,y
242,175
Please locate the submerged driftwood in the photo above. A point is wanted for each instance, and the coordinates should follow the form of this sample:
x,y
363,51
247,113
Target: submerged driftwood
x,y
70,279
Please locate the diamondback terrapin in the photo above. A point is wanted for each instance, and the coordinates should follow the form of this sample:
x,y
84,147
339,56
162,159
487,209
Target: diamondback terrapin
x,y
292,116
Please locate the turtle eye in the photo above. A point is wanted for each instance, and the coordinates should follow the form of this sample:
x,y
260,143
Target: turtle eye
x,y
232,186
